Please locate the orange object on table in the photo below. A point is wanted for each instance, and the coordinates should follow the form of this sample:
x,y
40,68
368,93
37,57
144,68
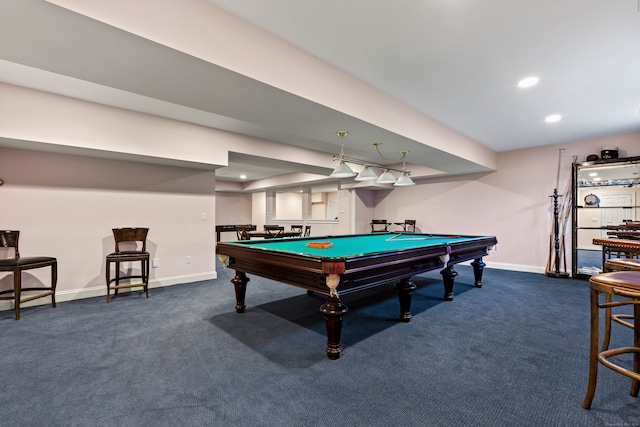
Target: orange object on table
x,y
321,245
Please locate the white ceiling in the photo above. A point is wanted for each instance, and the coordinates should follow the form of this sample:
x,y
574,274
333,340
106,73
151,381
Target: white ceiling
x,y
453,60
459,61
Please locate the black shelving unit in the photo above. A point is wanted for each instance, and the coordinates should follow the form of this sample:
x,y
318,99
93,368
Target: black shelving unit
x,y
580,208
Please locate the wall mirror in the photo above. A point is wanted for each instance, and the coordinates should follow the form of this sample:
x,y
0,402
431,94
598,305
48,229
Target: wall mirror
x,y
606,195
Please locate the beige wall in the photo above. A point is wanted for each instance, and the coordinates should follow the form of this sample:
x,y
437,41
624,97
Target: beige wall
x,y
511,203
65,206
65,124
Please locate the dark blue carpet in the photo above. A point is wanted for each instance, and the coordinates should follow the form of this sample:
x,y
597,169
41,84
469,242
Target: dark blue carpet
x,y
513,353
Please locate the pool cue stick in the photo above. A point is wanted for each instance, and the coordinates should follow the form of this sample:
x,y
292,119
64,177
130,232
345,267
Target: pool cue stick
x,y
413,238
553,236
555,271
553,240
550,250
548,265
418,238
567,204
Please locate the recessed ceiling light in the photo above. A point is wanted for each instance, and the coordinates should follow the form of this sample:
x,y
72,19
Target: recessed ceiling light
x,y
528,82
593,174
243,176
553,118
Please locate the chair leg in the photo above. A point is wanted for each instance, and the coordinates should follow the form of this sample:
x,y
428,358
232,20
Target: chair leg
x,y
54,283
145,276
108,273
117,278
635,384
607,324
17,288
593,351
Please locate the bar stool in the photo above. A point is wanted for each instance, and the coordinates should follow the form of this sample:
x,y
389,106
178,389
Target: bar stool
x,y
622,264
124,237
18,264
618,264
379,226
625,284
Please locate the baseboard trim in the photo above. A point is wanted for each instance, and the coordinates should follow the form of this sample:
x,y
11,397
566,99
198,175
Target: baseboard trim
x,y
100,291
516,267
512,267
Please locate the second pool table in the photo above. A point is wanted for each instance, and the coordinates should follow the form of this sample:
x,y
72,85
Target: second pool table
x,y
351,263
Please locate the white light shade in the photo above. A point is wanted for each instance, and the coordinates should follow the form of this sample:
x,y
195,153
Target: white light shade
x,y
367,174
386,178
342,171
404,180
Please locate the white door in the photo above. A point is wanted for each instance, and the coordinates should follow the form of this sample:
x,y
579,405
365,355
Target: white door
x,y
618,208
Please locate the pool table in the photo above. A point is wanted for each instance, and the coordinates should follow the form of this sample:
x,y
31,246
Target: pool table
x,y
352,263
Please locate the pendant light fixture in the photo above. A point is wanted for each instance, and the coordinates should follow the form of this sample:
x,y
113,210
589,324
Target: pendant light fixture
x,y
343,170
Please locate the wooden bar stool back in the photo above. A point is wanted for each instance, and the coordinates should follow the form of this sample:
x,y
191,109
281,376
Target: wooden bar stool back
x,y
241,232
625,285
622,264
18,264
379,225
131,246
618,264
274,230
409,225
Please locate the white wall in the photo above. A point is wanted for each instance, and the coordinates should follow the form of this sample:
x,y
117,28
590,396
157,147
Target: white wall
x,y
231,209
65,207
287,206
259,209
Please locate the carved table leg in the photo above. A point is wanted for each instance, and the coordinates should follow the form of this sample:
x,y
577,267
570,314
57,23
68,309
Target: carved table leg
x,y
448,274
405,288
240,282
478,267
333,310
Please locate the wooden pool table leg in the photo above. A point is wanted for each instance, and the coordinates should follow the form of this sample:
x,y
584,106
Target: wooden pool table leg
x,y
405,288
240,282
478,267
333,310
448,275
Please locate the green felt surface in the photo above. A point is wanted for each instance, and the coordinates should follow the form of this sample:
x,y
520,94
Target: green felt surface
x,y
344,246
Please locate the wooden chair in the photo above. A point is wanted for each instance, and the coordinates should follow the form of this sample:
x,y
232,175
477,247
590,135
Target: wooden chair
x,y
131,246
274,231
241,232
17,264
625,285
307,231
379,225
296,229
409,225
